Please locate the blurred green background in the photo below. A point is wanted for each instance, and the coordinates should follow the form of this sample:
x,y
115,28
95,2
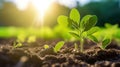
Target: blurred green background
x,y
106,10
20,17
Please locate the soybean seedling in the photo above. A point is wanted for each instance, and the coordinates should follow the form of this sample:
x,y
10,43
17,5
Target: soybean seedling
x,y
105,43
102,43
31,39
46,46
57,47
19,42
80,29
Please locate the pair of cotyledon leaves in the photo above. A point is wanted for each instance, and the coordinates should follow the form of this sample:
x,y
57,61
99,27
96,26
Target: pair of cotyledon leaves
x,y
57,47
85,25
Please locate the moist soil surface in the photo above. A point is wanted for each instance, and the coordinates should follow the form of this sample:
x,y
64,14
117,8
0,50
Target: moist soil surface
x,y
34,55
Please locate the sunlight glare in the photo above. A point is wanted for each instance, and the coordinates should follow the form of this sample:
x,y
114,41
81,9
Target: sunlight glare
x,y
21,4
41,6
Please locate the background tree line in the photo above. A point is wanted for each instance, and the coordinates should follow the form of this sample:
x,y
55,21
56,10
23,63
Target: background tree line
x,y
107,11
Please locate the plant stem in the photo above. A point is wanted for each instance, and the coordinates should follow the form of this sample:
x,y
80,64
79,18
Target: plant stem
x,y
81,41
81,44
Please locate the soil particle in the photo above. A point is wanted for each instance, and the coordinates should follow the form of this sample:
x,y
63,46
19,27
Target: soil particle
x,y
56,65
49,51
102,64
115,64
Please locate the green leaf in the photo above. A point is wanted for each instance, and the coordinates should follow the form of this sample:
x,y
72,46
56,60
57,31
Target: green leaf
x,y
63,20
105,43
92,30
84,34
93,38
91,22
107,25
84,21
75,15
72,24
74,34
58,46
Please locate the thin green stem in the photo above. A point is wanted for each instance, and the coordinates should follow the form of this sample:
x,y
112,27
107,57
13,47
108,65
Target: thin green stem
x,y
81,44
81,41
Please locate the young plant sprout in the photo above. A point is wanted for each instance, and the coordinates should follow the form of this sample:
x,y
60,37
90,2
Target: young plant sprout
x,y
103,43
19,42
46,46
81,29
31,39
57,47
23,38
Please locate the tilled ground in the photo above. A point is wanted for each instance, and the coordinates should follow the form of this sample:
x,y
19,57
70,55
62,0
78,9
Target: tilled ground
x,y
35,55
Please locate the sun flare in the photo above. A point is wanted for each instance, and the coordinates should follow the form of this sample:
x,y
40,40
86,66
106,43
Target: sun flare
x,y
41,7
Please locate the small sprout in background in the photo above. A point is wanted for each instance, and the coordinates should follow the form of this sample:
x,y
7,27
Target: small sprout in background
x,y
51,50
21,38
105,43
31,39
81,29
110,28
58,46
46,46
17,44
102,43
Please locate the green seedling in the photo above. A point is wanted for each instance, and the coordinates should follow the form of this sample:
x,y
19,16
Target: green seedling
x,y
31,39
103,43
46,46
17,44
57,47
80,29
21,38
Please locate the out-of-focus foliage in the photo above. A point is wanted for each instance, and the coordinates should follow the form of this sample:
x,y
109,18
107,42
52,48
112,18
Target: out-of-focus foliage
x,y
57,32
110,31
10,15
106,11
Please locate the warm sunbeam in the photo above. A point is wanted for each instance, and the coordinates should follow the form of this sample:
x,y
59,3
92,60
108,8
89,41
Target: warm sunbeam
x,y
21,4
41,6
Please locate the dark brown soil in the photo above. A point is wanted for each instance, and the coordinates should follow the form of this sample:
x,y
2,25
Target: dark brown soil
x,y
34,55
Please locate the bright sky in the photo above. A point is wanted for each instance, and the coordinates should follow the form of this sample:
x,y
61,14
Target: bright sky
x,y
72,3
68,3
42,5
